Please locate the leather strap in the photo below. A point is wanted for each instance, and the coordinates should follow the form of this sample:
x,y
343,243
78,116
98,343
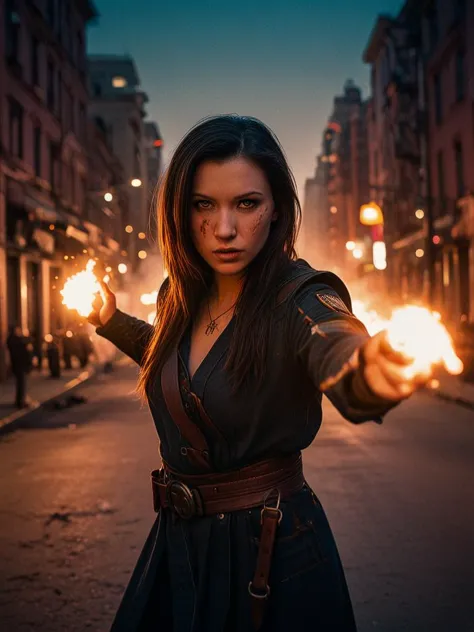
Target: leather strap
x,y
259,589
198,451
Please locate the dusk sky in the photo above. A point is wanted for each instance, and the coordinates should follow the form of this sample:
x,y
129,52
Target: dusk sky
x,y
280,60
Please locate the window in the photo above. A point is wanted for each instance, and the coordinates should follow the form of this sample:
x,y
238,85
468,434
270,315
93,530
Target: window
x,y
459,166
82,121
459,10
441,183
60,95
51,12
12,31
52,165
50,90
438,98
460,75
136,163
72,183
433,30
35,70
80,50
37,150
68,109
119,82
15,121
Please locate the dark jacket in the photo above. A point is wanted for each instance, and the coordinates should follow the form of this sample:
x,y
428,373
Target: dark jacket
x,y
20,358
192,576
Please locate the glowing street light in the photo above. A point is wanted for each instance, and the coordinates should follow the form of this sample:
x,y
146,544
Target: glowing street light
x,y
122,268
357,253
108,197
419,253
141,235
350,245
379,255
333,210
136,182
371,214
129,229
419,213
142,254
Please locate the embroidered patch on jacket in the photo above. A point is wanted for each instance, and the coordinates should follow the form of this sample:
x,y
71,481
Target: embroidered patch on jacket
x,y
334,303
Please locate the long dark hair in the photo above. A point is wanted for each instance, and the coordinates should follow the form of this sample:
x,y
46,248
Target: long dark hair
x,y
189,276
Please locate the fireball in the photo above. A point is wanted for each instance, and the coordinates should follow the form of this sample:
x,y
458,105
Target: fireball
x,y
80,289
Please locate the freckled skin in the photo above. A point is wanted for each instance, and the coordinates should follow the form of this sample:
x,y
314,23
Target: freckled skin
x,y
221,216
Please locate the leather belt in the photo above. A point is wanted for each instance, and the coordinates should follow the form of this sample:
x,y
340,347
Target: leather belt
x,y
207,494
262,484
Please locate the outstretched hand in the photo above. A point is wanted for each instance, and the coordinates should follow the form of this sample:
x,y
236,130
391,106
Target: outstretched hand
x,y
388,372
103,307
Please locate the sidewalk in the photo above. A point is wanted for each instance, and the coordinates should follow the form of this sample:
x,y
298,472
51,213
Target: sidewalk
x,y
453,389
40,388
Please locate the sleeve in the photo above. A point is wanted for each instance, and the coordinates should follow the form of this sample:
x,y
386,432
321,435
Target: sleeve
x,y
327,338
128,334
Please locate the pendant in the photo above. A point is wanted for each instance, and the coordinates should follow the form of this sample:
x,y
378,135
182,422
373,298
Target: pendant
x,y
211,328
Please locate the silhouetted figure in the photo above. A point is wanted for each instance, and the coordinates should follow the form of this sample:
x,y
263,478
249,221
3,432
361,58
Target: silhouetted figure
x,y
84,348
37,344
20,363
68,350
54,364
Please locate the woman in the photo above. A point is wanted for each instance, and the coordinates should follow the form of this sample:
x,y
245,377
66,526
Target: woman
x,y
245,341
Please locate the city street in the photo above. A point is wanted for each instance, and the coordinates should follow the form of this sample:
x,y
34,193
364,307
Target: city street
x,y
76,506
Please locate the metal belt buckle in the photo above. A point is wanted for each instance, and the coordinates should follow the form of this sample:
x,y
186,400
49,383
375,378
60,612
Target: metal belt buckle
x,y
268,508
181,499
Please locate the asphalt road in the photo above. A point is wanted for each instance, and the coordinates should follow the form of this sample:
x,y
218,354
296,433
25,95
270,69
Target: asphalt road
x,y
75,508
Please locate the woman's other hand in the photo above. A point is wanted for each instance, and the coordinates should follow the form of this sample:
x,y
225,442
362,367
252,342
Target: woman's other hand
x,y
387,372
103,308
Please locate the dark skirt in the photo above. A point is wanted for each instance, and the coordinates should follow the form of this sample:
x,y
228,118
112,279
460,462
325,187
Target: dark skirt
x,y
193,576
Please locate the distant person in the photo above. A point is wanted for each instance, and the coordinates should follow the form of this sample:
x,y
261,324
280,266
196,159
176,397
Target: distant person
x,y
247,338
54,356
84,348
69,348
37,349
20,361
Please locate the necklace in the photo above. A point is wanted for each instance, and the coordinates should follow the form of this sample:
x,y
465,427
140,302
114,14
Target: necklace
x,y
212,326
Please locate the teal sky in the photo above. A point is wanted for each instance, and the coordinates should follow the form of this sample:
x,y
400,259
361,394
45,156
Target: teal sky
x,y
281,61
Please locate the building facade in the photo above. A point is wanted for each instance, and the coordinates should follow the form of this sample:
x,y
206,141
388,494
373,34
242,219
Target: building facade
x,y
421,150
117,103
154,161
448,50
43,156
397,181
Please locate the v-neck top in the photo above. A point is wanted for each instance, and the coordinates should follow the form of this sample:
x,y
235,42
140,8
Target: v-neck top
x,y
313,338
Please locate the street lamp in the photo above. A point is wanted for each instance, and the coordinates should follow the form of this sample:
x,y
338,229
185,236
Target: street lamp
x,y
108,197
136,182
350,245
371,214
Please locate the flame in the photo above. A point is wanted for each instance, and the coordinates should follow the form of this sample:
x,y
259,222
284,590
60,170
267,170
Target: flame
x,y
80,289
418,333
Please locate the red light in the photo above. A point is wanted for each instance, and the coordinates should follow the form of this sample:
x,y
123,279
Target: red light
x,y
334,126
436,239
158,143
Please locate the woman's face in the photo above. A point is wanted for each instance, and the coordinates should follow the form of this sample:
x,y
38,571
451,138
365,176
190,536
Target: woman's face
x,y
232,210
